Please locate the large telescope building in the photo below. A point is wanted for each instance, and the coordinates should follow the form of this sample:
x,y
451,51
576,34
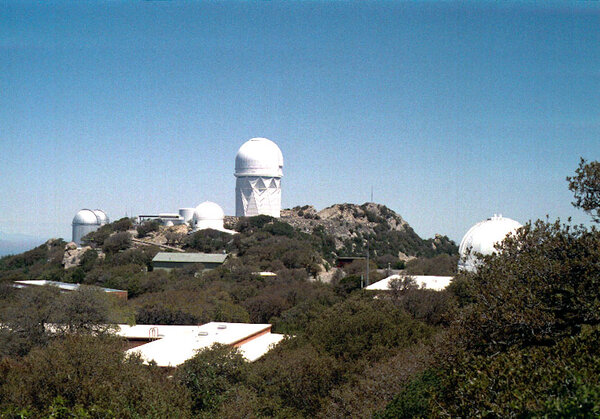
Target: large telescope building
x,y
258,169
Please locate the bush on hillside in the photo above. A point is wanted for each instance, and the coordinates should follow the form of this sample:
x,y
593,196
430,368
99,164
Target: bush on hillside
x,y
147,227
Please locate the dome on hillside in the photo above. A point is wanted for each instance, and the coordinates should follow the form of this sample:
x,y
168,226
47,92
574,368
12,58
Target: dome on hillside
x,y
259,157
209,215
208,211
102,217
87,221
482,237
86,217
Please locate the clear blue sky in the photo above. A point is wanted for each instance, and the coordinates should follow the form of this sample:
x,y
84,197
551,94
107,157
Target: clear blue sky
x,y
451,111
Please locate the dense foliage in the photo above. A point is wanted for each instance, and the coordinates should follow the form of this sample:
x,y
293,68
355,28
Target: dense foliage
x,y
516,338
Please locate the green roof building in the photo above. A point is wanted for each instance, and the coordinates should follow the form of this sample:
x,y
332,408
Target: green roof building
x,y
168,261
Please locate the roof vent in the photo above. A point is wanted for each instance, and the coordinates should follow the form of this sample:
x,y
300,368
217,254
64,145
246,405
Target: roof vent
x,y
202,333
222,326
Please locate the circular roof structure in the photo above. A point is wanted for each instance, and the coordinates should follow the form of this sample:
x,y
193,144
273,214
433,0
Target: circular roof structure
x,y
482,237
259,157
208,211
86,217
101,216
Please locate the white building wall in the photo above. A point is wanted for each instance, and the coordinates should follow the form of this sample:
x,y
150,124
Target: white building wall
x,y
258,195
80,230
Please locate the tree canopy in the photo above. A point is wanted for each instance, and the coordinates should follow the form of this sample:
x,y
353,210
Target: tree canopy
x,y
585,186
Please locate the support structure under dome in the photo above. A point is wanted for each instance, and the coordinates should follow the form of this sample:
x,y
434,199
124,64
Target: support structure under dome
x,y
258,169
258,195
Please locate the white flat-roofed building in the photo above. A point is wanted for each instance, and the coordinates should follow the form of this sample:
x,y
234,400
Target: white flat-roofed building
x,y
66,286
429,282
170,346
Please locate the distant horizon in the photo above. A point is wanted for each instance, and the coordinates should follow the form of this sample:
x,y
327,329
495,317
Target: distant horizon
x,y
450,111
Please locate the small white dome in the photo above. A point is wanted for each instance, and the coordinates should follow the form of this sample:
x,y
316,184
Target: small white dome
x,y
482,237
102,217
86,217
259,157
208,211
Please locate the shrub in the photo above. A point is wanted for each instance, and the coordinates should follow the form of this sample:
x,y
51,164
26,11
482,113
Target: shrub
x,y
117,242
97,238
415,400
211,375
122,224
147,227
159,314
538,381
87,373
208,241
362,327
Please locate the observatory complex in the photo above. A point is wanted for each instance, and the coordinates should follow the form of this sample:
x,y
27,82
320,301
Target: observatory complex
x,y
258,172
258,169
482,237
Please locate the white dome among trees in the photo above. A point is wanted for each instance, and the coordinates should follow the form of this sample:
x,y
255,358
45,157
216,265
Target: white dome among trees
x,y
482,237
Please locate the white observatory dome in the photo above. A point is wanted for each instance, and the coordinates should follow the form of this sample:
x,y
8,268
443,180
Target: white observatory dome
x,y
259,157
482,237
84,222
102,217
209,215
86,217
208,211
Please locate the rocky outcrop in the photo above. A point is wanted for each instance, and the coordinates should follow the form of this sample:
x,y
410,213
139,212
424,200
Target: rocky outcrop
x,y
73,254
344,221
172,235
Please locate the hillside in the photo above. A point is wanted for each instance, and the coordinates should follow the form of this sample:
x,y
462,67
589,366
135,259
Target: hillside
x,y
348,227
352,225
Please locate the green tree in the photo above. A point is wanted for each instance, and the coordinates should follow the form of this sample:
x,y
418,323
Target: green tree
x,y
85,310
541,286
365,328
585,186
25,320
211,375
117,242
147,227
88,374
559,381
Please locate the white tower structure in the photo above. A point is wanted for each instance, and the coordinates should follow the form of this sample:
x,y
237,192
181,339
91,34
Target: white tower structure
x,y
187,214
258,169
482,237
209,215
86,221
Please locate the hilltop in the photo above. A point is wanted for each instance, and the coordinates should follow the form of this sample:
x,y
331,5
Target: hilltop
x,y
348,227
